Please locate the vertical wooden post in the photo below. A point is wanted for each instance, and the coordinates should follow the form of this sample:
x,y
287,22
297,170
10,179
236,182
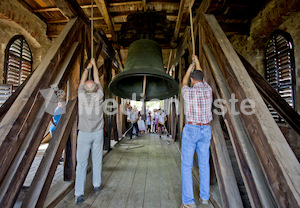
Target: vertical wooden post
x,y
181,114
107,72
70,150
70,154
119,117
114,128
173,120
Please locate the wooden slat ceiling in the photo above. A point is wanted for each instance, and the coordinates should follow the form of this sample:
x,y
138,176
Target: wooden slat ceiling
x,y
234,16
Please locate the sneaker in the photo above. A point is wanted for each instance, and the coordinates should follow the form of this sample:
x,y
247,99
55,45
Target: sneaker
x,y
188,206
203,201
96,189
79,199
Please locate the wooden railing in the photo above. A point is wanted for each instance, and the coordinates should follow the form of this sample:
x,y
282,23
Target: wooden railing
x,y
25,118
269,168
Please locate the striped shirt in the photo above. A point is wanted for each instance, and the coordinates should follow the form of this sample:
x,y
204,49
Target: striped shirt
x,y
198,102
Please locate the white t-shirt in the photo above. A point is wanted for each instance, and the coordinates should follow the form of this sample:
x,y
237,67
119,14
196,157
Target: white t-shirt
x,y
133,116
161,117
149,119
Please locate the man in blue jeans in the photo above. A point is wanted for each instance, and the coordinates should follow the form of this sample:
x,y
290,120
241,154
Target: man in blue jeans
x,y
90,126
196,133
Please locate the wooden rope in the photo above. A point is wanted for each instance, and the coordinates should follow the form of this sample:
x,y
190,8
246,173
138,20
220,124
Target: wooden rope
x,y
192,29
92,38
144,86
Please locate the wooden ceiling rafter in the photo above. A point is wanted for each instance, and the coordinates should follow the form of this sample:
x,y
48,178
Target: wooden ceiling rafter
x,y
144,5
46,9
125,3
88,6
54,21
27,6
96,18
65,8
101,4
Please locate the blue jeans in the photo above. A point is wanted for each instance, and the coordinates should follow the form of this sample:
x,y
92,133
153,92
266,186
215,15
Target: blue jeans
x,y
195,138
136,128
86,142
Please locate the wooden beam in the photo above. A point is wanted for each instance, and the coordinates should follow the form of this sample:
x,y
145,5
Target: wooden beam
x,y
144,5
227,184
96,18
183,10
66,9
125,3
41,183
5,107
107,48
74,7
88,6
17,173
49,9
278,162
253,177
70,154
179,19
54,21
273,97
104,12
102,37
17,120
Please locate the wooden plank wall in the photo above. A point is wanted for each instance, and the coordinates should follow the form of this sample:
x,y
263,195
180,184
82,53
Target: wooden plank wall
x,y
274,154
268,166
15,119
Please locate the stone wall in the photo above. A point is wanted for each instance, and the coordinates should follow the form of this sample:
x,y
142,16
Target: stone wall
x,y
253,48
17,20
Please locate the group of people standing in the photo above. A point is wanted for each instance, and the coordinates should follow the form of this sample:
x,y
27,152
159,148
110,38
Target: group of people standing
x,y
155,121
196,134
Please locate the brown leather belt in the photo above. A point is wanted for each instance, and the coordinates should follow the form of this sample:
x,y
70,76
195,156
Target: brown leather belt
x,y
198,124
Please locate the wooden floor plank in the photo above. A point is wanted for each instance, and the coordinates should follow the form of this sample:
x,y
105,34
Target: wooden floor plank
x,y
121,194
137,191
108,189
140,173
152,192
167,195
109,163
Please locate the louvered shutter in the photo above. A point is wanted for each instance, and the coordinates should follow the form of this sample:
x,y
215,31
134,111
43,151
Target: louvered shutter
x,y
280,69
5,92
18,61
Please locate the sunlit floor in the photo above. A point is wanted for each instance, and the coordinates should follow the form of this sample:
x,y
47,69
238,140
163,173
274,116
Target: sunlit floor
x,y
142,172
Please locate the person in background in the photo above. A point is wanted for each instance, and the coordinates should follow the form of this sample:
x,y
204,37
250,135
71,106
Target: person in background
x,y
128,109
59,110
196,133
133,118
90,134
161,119
155,120
141,124
148,120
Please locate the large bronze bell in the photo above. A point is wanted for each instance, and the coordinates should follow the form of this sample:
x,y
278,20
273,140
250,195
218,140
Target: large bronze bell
x,y
144,73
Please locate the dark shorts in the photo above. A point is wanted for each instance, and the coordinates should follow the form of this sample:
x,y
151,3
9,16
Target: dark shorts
x,y
160,125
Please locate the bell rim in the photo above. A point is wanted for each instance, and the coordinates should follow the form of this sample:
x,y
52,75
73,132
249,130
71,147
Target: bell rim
x,y
122,75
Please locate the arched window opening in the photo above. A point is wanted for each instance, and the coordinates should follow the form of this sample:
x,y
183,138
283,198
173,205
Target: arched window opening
x,y
18,61
280,68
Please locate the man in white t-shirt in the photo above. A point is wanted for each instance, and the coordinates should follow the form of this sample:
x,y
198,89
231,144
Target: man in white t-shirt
x,y
161,118
90,134
133,118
